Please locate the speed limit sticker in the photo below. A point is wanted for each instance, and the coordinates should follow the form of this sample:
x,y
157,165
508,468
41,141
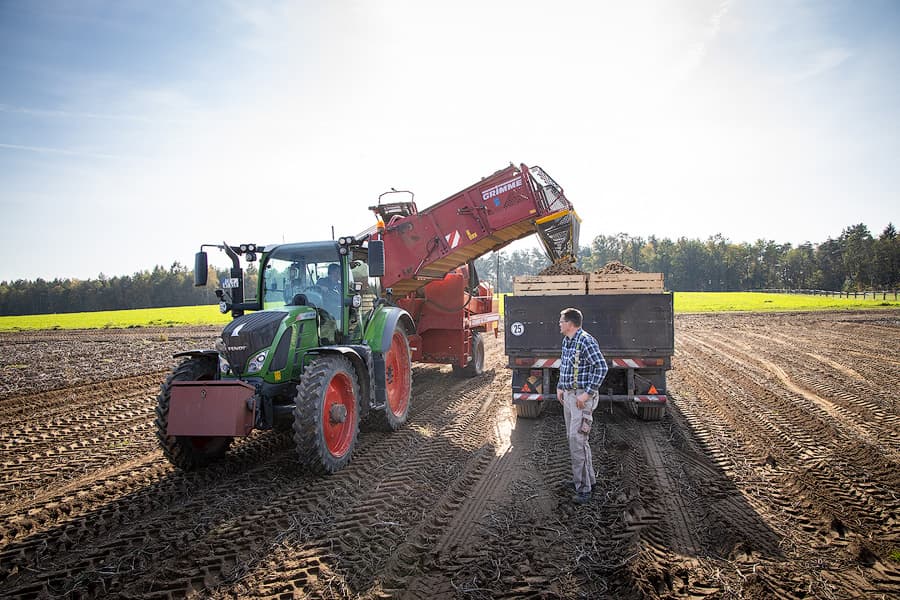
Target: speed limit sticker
x,y
517,328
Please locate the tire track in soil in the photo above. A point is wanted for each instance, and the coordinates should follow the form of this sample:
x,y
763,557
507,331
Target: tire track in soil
x,y
821,452
825,531
37,409
435,509
845,401
399,446
143,506
374,522
877,458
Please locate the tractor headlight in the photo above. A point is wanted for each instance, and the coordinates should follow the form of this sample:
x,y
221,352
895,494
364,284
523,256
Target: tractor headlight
x,y
224,367
256,363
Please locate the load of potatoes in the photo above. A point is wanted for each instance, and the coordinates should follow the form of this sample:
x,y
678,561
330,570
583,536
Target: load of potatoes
x,y
610,268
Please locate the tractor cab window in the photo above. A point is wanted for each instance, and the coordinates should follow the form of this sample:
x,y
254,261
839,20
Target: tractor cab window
x,y
297,275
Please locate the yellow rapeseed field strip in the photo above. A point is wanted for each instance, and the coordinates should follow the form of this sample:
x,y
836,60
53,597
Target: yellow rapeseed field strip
x,y
695,302
119,319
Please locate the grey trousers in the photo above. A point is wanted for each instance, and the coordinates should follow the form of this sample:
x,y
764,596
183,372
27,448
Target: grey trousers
x,y
579,449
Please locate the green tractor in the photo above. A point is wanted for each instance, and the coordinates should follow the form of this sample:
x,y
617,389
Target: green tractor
x,y
321,351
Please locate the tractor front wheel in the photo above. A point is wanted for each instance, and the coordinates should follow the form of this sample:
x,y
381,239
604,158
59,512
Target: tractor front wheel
x,y
326,414
188,452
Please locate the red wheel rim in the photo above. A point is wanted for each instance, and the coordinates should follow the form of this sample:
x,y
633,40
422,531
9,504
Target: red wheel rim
x,y
339,434
397,375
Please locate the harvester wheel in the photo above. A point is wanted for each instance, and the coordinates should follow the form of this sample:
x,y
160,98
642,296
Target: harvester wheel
x,y
188,452
529,409
326,414
476,365
398,381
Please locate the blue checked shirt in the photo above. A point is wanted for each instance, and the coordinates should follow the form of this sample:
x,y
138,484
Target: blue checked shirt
x,y
592,366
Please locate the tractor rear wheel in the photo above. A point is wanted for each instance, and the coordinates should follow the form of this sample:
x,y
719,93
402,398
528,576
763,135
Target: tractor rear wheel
x,y
398,382
476,365
326,414
188,452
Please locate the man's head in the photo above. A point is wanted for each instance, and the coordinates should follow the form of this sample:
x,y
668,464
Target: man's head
x,y
570,320
334,272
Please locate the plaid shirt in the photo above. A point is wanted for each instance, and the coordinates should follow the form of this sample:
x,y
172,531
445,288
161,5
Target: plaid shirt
x,y
592,366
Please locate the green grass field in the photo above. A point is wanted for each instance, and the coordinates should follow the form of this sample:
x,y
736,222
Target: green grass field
x,y
685,302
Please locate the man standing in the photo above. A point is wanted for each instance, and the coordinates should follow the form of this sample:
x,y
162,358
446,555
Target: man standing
x,y
581,372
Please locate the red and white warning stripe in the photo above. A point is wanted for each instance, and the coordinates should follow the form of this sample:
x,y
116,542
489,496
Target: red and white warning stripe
x,y
452,239
546,363
519,396
625,363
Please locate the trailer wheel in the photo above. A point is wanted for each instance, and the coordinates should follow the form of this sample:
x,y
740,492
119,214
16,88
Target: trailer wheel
x,y
476,365
326,414
398,379
653,412
529,409
187,452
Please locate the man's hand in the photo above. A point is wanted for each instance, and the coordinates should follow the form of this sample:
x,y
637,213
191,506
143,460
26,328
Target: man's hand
x,y
581,400
559,395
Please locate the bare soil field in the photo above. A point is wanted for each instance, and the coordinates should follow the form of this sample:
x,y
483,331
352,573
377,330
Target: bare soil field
x,y
775,474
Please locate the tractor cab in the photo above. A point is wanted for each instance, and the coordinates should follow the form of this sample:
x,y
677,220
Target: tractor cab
x,y
306,274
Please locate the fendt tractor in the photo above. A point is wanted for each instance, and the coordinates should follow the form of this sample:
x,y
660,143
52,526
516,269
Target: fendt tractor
x,y
336,325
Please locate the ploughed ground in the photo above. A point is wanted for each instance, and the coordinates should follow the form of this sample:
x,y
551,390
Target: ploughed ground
x,y
773,475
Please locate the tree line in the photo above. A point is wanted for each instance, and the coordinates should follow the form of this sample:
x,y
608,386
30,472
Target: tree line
x,y
157,288
854,261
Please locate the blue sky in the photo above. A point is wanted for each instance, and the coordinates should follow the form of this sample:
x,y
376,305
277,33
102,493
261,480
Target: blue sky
x,y
130,132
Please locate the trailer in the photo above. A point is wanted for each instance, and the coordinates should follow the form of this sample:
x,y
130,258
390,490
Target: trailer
x,y
635,332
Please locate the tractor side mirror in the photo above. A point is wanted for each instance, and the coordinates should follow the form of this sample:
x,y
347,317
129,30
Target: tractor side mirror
x,y
200,269
376,258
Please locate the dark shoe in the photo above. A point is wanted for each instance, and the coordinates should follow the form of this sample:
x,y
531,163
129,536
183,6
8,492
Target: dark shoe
x,y
582,498
569,486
